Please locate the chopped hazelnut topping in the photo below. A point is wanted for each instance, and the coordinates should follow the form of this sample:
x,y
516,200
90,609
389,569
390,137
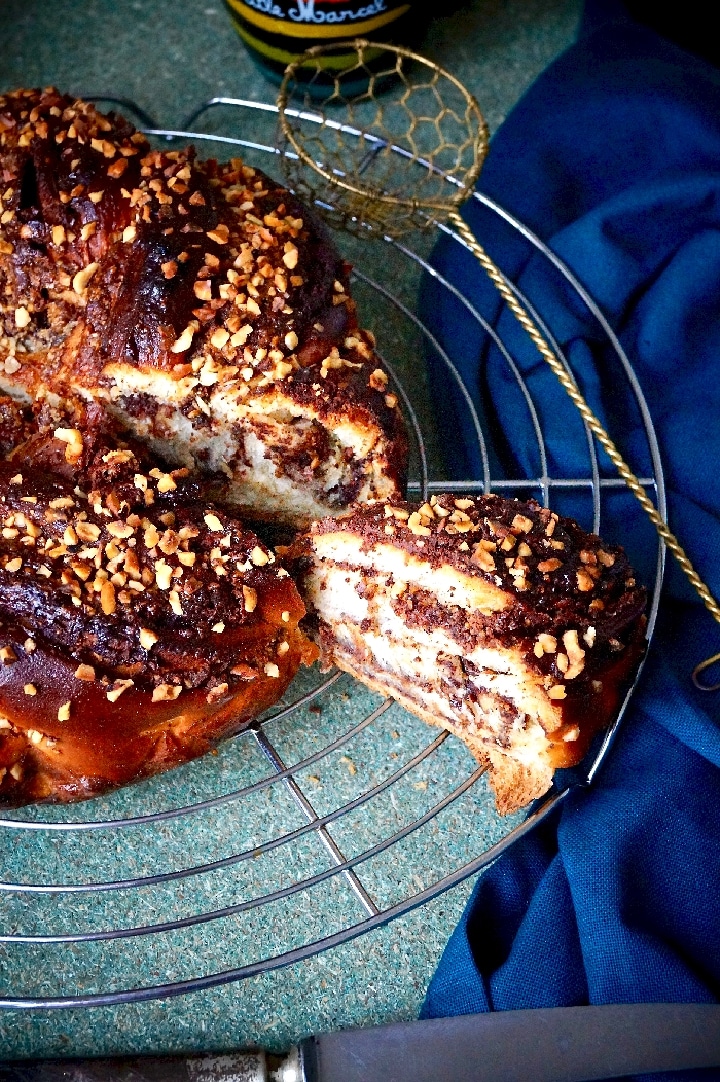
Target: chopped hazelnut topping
x,y
213,523
163,574
220,234
250,598
30,689
166,483
183,343
584,581
218,628
87,531
64,712
549,565
416,527
22,318
547,642
82,278
557,691
165,692
216,693
219,338
258,557
271,669
522,523
121,530
203,290
117,689
85,672
482,558
117,168
147,638
107,598
151,536
7,655
169,542
245,672
576,655
72,438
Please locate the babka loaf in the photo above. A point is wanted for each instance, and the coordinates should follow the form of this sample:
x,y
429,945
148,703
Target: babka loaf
x,y
201,303
498,620
139,623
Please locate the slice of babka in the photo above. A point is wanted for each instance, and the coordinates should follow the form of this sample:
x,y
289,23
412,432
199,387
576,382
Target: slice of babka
x,y
501,621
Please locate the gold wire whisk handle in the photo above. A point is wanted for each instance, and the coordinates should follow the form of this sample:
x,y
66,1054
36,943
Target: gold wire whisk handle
x,y
598,431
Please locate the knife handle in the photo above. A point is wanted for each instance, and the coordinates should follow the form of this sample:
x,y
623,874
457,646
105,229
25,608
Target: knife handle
x,y
251,1066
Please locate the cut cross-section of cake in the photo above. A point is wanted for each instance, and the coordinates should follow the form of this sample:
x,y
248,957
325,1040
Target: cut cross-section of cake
x,y
501,621
200,303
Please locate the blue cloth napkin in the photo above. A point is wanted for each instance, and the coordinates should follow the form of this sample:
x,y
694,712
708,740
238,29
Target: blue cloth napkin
x,y
613,157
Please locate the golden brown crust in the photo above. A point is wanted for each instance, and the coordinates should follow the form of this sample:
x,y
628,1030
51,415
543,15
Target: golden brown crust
x,y
139,623
115,257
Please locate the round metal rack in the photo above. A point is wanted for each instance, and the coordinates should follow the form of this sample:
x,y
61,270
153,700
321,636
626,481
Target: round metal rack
x,y
336,812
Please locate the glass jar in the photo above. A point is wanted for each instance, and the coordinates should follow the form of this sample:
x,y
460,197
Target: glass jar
x,y
277,32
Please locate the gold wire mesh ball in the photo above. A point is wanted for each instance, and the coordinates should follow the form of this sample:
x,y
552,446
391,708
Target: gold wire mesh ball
x,y
390,142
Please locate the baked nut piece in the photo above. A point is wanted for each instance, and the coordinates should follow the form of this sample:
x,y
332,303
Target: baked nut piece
x,y
201,303
498,620
139,623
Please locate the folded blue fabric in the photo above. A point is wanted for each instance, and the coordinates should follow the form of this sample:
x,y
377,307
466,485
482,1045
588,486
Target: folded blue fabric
x,y
613,157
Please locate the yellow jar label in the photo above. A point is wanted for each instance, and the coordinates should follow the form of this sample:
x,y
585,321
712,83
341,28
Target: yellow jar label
x,y
319,18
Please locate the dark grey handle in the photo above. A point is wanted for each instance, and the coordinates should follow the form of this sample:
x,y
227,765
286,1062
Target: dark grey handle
x,y
562,1044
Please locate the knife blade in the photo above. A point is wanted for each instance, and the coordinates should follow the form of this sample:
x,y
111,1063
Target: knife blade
x,y
558,1044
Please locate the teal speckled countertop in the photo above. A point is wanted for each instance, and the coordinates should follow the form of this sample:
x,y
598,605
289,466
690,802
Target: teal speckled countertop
x,y
168,58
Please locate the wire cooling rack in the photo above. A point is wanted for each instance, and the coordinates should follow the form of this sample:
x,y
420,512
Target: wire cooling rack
x,y
336,812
